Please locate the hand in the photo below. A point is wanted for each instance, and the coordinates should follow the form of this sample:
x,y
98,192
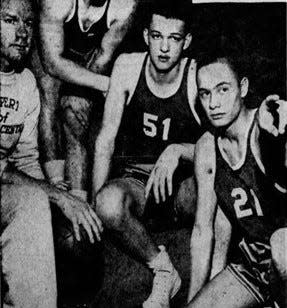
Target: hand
x,y
63,185
273,110
80,108
162,174
80,213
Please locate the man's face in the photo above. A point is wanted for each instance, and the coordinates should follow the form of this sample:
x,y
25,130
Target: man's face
x,y
166,39
220,93
16,31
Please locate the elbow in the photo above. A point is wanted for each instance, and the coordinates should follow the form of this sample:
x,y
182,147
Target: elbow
x,y
52,65
51,68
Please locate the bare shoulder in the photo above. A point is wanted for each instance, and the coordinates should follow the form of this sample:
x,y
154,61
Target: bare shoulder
x,y
120,10
205,155
56,10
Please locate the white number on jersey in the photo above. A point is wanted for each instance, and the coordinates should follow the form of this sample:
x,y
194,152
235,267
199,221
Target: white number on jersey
x,y
150,128
240,203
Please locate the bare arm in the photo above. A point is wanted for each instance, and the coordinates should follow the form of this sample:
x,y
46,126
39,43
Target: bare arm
x,y
52,17
105,142
202,237
101,59
164,168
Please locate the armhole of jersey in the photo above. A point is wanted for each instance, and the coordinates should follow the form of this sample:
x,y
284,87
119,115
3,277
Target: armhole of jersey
x,y
135,75
71,15
258,160
192,89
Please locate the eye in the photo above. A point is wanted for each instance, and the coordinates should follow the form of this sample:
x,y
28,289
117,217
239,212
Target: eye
x,y
176,38
223,90
155,36
10,20
29,23
203,95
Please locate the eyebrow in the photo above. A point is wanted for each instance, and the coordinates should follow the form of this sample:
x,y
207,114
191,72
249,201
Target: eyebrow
x,y
222,84
218,85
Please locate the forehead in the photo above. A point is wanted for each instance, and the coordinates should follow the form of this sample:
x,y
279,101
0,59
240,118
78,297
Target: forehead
x,y
22,8
166,25
211,75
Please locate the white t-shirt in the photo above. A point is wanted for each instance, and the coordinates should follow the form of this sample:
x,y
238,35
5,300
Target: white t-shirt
x,y
19,114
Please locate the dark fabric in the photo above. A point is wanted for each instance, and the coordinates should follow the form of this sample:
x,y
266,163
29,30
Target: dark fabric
x,y
78,43
151,123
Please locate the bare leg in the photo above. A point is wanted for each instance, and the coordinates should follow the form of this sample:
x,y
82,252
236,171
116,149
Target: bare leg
x,y
278,243
116,205
48,123
223,291
76,137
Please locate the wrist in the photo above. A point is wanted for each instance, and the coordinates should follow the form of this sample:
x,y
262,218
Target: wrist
x,y
176,150
54,170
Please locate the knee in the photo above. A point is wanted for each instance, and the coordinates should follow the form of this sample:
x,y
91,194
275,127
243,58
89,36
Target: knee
x,y
112,206
278,244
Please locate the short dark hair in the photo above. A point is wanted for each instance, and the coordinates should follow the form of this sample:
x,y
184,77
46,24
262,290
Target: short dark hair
x,y
173,9
228,52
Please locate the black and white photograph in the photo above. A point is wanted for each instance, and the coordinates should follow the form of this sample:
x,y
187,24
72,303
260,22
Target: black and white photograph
x,y
143,154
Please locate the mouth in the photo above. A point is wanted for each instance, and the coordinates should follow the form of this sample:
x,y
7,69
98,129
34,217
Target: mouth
x,y
163,58
217,116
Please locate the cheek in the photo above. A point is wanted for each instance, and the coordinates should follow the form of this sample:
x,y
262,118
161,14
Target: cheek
x,y
205,105
7,34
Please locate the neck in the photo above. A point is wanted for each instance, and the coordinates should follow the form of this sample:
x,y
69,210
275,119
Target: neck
x,y
163,77
237,130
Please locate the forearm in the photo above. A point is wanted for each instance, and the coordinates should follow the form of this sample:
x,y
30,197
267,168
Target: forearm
x,y
49,133
19,178
201,255
71,72
101,169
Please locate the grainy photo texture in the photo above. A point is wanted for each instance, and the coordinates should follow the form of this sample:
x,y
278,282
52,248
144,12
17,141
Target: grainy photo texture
x,y
143,151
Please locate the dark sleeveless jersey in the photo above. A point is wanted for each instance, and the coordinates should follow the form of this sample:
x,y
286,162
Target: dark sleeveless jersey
x,y
79,43
151,123
253,204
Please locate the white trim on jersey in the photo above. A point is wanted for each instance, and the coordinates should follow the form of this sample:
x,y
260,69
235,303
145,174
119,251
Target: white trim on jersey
x,y
240,163
192,89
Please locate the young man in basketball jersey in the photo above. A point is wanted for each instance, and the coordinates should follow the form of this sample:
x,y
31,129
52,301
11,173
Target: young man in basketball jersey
x,y
78,41
240,169
150,108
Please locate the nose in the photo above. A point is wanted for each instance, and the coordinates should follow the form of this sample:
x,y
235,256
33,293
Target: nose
x,y
164,46
214,102
22,30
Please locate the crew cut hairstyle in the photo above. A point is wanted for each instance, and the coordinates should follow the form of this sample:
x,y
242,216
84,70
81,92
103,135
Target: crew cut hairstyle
x,y
173,9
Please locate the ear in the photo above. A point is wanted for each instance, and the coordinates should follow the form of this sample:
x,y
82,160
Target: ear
x,y
187,40
145,36
244,86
